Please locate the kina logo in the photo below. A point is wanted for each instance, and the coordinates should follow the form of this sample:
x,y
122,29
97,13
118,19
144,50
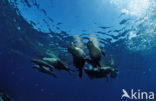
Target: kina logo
x,y
137,95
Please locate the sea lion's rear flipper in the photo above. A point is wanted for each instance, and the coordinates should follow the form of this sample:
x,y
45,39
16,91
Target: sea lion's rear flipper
x,y
107,80
103,53
99,65
51,69
41,66
80,73
70,71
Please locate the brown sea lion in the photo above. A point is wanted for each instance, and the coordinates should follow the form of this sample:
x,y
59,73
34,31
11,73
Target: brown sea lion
x,y
95,53
79,57
44,69
102,72
57,64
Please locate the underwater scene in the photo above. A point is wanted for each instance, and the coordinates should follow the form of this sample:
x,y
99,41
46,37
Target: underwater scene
x,y
77,50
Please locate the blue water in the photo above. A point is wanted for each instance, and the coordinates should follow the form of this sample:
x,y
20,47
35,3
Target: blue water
x,y
46,27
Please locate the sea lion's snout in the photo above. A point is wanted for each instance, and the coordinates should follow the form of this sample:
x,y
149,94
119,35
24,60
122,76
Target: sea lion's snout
x,y
34,60
71,44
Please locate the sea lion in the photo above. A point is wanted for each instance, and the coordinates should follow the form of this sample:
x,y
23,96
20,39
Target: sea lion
x,y
79,57
111,63
101,72
95,53
57,64
42,63
44,69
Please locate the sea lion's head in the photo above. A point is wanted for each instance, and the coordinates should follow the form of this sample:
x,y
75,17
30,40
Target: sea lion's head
x,y
71,46
90,44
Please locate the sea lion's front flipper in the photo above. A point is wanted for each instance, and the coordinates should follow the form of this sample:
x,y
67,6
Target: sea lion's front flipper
x,y
80,73
103,53
52,74
71,70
